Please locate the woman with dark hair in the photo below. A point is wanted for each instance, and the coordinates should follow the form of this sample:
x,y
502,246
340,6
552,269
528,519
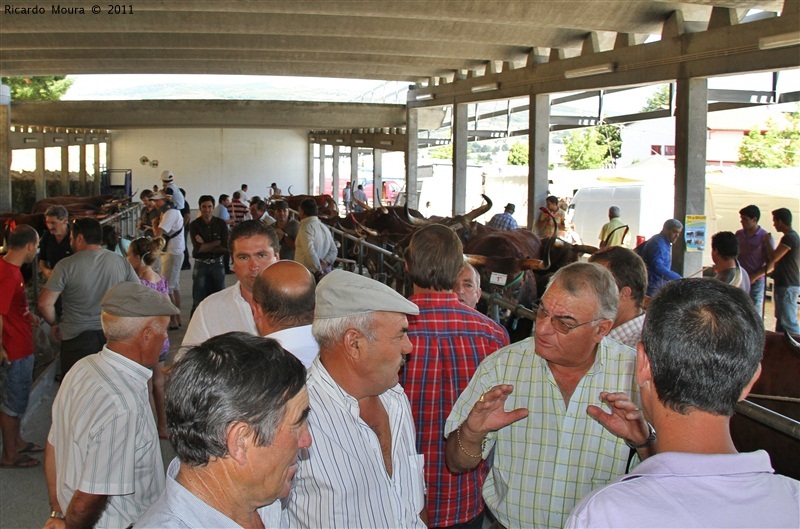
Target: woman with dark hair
x,y
142,253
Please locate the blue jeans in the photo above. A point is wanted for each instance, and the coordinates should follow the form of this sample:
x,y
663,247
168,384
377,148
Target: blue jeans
x,y
786,309
207,278
18,382
757,295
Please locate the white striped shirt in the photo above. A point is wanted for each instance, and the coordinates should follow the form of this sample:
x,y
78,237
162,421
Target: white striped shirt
x,y
105,437
342,481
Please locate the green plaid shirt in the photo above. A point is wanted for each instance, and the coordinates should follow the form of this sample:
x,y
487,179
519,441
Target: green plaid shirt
x,y
547,462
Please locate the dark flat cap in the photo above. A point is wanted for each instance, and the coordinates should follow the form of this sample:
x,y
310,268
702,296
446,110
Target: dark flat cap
x,y
134,300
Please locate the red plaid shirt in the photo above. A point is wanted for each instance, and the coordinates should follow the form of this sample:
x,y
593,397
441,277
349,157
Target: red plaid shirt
x,y
450,340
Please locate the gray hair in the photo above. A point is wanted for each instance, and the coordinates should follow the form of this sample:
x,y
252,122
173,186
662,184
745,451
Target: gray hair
x,y
613,212
119,328
329,332
59,212
672,224
580,279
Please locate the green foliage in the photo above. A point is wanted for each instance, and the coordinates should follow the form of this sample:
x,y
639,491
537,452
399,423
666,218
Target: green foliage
x,y
444,152
586,149
518,154
658,101
774,148
49,88
611,135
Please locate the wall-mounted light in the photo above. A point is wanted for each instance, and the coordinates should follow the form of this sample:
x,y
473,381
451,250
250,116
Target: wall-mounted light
x,y
386,142
485,87
424,97
58,140
779,41
359,141
590,70
30,140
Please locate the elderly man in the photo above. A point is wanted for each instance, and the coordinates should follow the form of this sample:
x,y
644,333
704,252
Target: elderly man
x,y
630,276
363,469
286,228
547,452
697,479
16,347
612,233
450,341
315,248
209,237
283,307
657,255
103,461
253,246
504,220
54,245
236,430
468,286
169,226
80,281
785,261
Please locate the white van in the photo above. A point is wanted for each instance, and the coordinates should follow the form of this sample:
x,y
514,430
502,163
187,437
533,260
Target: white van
x,y
643,208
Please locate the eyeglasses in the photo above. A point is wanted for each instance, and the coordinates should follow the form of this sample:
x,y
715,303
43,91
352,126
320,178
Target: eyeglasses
x,y
558,323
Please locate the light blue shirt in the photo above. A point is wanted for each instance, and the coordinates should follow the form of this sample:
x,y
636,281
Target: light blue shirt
x,y
178,507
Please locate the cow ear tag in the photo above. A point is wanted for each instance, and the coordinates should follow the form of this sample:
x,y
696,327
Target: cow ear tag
x,y
498,279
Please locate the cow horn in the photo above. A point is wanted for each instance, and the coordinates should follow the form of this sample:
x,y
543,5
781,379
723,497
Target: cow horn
x,y
360,227
475,260
791,341
290,191
532,264
477,212
414,221
585,248
362,204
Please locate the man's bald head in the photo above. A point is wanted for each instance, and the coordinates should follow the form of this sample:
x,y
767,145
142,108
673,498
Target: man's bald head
x,y
283,297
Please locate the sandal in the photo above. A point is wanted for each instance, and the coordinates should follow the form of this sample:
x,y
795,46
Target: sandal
x,y
23,462
31,448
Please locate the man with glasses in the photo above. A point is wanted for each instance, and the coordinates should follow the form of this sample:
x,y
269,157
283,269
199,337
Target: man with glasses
x,y
548,452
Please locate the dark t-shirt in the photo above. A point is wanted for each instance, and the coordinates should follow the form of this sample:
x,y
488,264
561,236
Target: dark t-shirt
x,y
51,251
787,269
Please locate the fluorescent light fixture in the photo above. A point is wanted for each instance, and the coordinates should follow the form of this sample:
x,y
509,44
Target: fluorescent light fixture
x,y
30,140
485,87
423,97
359,142
590,70
58,140
386,142
779,41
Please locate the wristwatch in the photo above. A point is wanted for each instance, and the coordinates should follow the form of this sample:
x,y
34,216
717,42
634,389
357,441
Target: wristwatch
x,y
57,514
650,439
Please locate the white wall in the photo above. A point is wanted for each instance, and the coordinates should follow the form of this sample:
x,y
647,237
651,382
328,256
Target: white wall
x,y
215,161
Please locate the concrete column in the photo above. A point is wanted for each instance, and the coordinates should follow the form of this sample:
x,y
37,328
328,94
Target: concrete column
x,y
354,167
539,154
108,155
310,169
321,180
82,186
412,151
5,148
377,176
96,183
335,179
40,180
691,118
65,170
460,159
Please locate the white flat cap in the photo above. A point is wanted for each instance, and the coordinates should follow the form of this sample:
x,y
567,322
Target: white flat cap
x,y
342,293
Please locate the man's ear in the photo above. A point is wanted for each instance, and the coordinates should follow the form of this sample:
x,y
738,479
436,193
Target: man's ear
x,y
749,386
353,343
237,441
602,329
625,293
643,373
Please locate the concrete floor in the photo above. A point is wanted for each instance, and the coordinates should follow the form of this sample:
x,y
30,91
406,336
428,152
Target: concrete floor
x,y
23,492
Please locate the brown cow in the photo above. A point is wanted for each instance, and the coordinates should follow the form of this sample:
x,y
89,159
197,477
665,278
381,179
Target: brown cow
x,y
780,373
325,204
92,203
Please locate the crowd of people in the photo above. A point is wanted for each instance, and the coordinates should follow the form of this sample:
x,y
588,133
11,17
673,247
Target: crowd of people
x,y
307,396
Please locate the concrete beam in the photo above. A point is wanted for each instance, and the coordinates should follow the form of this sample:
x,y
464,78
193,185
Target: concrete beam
x,y
205,113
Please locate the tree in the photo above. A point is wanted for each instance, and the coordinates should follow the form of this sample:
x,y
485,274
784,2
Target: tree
x,y
611,135
776,147
518,154
49,88
444,152
586,149
658,101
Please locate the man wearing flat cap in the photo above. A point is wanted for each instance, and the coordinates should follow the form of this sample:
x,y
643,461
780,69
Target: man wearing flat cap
x,y
363,469
504,220
103,461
